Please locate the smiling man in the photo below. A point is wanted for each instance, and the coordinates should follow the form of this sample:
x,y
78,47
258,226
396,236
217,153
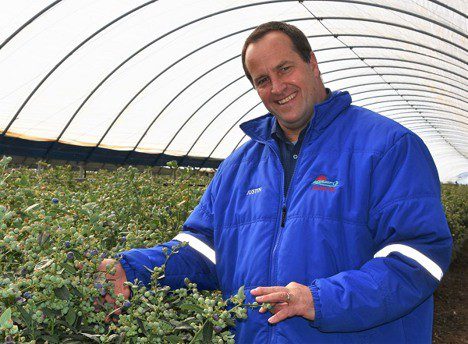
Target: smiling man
x,y
331,213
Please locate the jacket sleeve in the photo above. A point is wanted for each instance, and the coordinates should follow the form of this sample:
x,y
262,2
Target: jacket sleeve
x,y
196,260
412,246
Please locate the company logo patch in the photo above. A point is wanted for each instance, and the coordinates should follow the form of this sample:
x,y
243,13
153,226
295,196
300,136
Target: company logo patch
x,y
322,183
254,191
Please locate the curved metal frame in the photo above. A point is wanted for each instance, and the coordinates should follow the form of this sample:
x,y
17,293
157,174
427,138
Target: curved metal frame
x,y
29,21
324,18
397,67
67,56
447,95
225,134
141,90
392,74
332,71
384,107
393,83
398,95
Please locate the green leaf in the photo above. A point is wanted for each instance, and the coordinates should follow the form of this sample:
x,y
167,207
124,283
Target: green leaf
x,y
173,339
62,293
51,338
191,307
241,293
207,332
69,268
71,317
6,317
24,314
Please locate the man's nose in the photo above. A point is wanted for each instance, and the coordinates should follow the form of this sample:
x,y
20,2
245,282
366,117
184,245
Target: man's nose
x,y
277,86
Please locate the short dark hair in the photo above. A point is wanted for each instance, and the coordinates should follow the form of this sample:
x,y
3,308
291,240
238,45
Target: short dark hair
x,y
299,41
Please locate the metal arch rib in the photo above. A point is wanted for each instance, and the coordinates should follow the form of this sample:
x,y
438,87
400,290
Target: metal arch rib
x,y
396,74
392,83
210,98
412,100
67,56
33,18
211,122
423,116
396,95
449,8
411,14
396,67
225,134
139,92
406,89
421,109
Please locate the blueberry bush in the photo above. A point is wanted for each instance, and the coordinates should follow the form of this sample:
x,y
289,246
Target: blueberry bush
x,y
455,200
55,229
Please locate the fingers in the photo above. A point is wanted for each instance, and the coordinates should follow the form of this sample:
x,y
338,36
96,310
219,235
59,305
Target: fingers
x,y
279,316
266,290
275,297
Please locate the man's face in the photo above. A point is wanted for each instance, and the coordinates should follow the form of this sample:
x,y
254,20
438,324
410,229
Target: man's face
x,y
288,86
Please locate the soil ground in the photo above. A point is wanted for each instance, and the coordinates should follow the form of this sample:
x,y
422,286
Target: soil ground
x,y
451,304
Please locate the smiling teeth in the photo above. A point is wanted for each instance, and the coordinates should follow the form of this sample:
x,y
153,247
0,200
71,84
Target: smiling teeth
x,y
287,99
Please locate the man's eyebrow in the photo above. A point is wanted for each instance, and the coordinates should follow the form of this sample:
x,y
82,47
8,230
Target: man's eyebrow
x,y
282,64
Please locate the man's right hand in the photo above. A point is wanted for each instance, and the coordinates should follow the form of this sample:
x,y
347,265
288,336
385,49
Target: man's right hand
x,y
118,279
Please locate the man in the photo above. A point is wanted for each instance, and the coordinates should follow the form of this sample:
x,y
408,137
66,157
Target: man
x,y
330,212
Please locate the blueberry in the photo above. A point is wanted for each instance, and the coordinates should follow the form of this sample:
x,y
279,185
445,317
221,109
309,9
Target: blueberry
x,y
215,317
67,244
98,285
70,255
27,295
93,252
55,200
217,329
127,304
103,255
124,238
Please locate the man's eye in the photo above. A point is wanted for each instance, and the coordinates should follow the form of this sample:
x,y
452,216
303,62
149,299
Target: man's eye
x,y
285,68
261,81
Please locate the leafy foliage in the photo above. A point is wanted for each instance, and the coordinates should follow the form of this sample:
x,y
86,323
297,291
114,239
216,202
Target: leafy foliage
x,y
55,229
455,200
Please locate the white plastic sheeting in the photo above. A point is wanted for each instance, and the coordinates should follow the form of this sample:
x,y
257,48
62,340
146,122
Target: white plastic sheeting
x,y
166,77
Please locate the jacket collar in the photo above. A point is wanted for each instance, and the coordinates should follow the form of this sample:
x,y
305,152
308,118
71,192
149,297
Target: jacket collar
x,y
259,129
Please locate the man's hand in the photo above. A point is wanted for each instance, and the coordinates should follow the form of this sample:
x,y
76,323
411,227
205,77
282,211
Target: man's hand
x,y
118,279
293,300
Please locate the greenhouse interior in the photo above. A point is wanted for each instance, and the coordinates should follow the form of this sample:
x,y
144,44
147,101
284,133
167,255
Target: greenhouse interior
x,y
97,96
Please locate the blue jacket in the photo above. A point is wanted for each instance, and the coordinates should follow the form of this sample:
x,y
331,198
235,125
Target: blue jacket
x,y
362,226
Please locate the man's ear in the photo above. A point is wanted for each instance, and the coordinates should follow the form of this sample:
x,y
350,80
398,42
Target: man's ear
x,y
314,64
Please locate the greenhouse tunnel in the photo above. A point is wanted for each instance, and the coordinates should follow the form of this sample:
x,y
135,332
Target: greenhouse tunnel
x,y
106,83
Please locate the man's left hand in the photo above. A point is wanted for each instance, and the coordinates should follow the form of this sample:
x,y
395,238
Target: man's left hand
x,y
293,300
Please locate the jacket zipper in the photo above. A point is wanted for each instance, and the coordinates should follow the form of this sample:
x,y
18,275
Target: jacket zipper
x,y
281,218
278,234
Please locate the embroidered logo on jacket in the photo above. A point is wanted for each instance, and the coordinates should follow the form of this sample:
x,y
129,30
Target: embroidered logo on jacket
x,y
322,183
254,191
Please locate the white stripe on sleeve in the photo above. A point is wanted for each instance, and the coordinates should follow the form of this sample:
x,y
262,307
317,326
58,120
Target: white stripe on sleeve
x,y
410,252
197,245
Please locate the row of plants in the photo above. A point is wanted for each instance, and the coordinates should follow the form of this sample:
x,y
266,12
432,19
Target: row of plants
x,y
56,228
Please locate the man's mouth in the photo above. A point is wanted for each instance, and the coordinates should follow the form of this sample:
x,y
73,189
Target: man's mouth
x,y
287,99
